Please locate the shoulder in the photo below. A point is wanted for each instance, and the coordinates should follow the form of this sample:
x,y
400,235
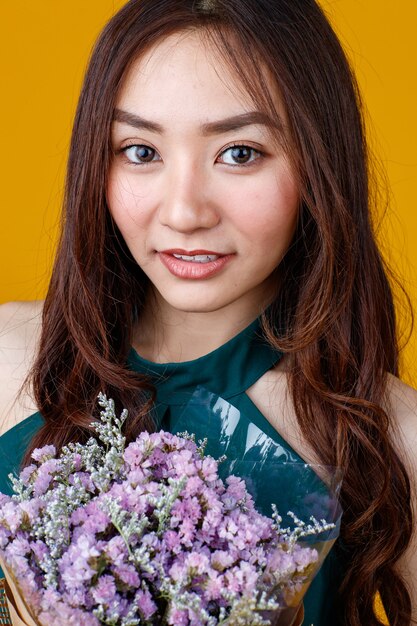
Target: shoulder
x,y
271,395
20,324
402,408
19,317
401,403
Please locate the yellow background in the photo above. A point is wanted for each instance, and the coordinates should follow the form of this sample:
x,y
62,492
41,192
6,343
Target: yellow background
x,y
44,47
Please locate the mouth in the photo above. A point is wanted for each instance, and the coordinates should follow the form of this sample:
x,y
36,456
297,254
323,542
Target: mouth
x,y
194,256
194,264
197,258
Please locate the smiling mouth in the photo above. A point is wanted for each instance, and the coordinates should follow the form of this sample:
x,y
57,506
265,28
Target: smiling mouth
x,y
194,256
194,264
197,258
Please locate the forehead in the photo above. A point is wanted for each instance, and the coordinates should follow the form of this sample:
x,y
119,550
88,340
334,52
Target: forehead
x,y
186,75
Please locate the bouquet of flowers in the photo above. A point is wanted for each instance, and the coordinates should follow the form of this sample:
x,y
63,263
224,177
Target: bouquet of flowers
x,y
148,533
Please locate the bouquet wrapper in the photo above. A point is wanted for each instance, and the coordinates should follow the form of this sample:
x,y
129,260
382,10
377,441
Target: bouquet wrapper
x,y
287,620
300,617
18,609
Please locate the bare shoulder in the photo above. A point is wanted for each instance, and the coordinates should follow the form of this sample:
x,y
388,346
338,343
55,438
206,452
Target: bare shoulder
x,y
18,318
20,324
402,407
271,396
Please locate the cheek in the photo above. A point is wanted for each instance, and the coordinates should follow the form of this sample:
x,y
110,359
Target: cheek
x,y
127,206
269,211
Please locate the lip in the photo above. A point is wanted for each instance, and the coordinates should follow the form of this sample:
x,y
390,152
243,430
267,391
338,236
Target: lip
x,y
190,270
191,252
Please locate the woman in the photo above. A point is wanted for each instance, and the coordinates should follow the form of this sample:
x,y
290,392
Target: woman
x,y
218,175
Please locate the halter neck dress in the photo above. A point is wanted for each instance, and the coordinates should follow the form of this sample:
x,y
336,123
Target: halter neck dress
x,y
207,396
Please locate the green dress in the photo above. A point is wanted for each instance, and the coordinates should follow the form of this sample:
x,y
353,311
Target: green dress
x,y
207,396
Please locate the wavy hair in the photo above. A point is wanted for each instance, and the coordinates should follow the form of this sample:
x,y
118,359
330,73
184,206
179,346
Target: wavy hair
x,y
335,302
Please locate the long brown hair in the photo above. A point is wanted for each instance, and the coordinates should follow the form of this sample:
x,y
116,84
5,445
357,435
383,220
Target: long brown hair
x,y
335,304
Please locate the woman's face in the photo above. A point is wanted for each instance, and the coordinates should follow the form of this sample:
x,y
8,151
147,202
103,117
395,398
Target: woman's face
x,y
203,195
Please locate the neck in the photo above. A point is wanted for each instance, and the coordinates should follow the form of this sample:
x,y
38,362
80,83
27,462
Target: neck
x,y
174,336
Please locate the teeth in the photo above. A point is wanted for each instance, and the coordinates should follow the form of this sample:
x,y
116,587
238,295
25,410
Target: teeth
x,y
197,258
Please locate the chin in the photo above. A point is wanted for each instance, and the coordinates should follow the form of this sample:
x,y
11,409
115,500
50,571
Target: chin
x,y
196,304
193,307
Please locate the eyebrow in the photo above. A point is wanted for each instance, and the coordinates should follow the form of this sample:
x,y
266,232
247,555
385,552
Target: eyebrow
x,y
235,122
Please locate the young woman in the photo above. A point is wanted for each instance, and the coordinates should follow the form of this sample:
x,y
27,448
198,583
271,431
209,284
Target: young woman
x,y
217,191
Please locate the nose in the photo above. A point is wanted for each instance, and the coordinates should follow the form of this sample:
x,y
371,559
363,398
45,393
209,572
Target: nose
x,y
188,203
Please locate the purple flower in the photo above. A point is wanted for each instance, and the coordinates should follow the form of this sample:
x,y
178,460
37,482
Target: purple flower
x,y
221,559
214,586
76,564
43,454
27,473
197,562
145,603
11,516
96,520
45,475
32,509
133,455
183,463
178,617
116,550
128,575
107,534
105,590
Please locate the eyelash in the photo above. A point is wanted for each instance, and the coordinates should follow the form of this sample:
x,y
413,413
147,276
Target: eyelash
x,y
136,145
254,151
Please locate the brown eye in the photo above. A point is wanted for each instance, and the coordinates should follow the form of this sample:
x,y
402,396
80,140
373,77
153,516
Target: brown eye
x,y
239,155
141,154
